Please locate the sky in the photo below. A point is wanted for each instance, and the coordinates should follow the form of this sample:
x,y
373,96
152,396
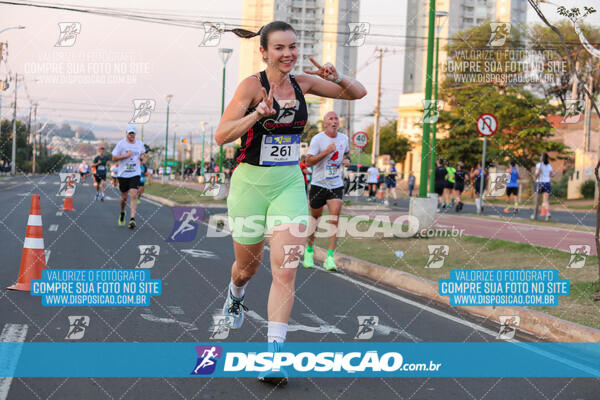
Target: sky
x,y
114,61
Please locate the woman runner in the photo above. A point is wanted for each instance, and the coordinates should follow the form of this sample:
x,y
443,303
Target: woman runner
x,y
268,112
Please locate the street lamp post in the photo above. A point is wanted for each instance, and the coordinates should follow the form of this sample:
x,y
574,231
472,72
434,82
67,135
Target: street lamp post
x,y
438,27
168,97
13,161
203,126
426,126
225,55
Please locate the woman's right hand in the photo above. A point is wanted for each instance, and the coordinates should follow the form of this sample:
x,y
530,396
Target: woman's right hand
x,y
265,107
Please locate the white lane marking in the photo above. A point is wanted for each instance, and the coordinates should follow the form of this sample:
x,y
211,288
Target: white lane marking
x,y
175,310
10,333
53,228
47,256
153,318
326,328
152,202
59,213
24,194
34,220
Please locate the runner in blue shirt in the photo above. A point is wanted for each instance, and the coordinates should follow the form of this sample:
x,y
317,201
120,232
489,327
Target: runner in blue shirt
x,y
512,189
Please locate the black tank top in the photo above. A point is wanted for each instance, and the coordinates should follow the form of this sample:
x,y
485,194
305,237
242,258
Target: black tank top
x,y
277,135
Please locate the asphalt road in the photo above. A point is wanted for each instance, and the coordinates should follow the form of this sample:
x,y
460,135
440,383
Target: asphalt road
x,y
326,309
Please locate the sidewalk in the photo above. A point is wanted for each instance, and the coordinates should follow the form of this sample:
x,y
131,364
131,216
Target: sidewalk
x,y
544,236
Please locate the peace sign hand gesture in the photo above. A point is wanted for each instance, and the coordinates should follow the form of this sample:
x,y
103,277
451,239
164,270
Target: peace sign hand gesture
x,y
326,71
265,107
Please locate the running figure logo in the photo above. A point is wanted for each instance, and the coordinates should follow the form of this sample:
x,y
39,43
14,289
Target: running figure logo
x,y
431,111
212,34
508,326
142,109
366,326
357,33
293,253
68,33
220,328
77,325
207,359
500,32
287,110
67,184
148,255
185,224
573,111
498,182
437,255
579,253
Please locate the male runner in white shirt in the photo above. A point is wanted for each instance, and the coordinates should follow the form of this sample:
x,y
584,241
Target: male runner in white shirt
x,y
129,153
328,152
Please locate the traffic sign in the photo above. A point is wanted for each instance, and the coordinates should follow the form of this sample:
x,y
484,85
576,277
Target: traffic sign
x,y
170,163
360,139
487,124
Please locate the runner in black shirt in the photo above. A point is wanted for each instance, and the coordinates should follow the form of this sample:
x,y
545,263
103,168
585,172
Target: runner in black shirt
x,y
100,176
459,185
440,181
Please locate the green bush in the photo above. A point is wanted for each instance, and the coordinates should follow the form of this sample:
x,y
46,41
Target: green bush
x,y
587,189
559,189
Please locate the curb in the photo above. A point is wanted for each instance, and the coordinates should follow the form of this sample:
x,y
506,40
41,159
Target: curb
x,y
536,323
539,324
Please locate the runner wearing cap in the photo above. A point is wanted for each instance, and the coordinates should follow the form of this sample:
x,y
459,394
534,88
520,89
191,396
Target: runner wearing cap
x,y
268,113
129,153
100,176
328,151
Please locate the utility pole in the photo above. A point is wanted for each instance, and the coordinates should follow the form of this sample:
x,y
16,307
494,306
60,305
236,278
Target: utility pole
x,y
587,120
34,137
168,97
210,151
13,161
426,126
375,149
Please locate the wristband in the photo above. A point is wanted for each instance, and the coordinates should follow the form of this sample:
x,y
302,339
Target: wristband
x,y
339,78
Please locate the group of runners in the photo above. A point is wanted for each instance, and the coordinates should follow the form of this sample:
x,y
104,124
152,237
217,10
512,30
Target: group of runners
x,y
128,172
450,183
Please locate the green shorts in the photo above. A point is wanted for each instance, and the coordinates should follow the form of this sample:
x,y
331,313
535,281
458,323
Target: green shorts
x,y
261,198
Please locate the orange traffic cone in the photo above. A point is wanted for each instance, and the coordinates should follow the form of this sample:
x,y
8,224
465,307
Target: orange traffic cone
x,y
68,204
33,260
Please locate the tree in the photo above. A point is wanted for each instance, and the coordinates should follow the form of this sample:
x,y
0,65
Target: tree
x,y
397,146
310,130
23,149
544,39
523,132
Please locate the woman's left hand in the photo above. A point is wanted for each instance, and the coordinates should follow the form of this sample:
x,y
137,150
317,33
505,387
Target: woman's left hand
x,y
326,71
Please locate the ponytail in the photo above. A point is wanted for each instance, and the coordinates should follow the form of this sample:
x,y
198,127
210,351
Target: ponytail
x,y
263,32
545,158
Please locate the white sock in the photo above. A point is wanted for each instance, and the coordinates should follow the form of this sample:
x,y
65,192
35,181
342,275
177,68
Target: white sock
x,y
237,291
276,332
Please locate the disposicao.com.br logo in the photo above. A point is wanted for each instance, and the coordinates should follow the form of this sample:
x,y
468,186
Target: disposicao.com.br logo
x,y
299,362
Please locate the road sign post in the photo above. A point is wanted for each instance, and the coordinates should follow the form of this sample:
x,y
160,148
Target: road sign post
x,y
360,140
487,125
